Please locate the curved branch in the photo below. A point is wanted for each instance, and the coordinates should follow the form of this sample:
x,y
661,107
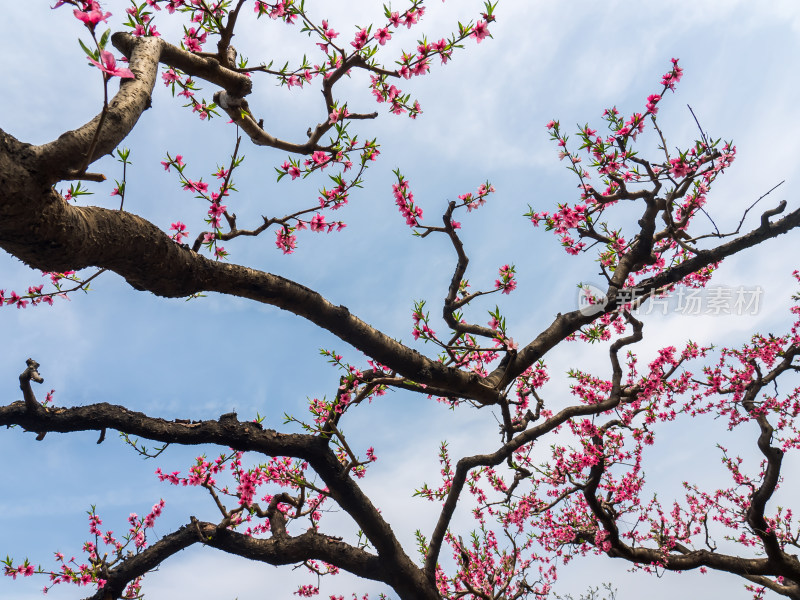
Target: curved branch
x,y
568,323
39,227
773,456
56,159
281,550
148,559
60,158
208,69
243,436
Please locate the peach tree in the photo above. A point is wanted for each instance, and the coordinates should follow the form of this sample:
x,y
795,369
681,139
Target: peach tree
x,y
560,480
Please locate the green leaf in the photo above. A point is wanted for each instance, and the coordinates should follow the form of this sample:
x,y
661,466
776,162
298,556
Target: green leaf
x,y
104,39
90,53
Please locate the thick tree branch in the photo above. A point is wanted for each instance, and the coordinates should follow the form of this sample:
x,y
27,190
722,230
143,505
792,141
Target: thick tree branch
x,y
37,226
568,323
243,436
773,456
282,550
208,69
58,159
137,565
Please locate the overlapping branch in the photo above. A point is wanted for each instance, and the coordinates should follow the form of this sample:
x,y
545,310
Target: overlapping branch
x,y
391,566
568,323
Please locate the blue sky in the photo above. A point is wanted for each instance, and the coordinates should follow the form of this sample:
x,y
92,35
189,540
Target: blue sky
x,y
484,119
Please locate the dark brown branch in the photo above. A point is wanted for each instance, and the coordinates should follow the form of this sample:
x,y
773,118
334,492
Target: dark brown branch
x,y
226,34
243,436
37,226
137,565
208,69
30,374
280,550
98,177
450,302
616,375
568,323
774,458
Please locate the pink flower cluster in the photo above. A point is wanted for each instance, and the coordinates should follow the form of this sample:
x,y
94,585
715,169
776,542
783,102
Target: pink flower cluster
x,y
36,295
216,210
673,76
404,199
82,574
141,20
620,169
180,231
507,283
187,89
285,240
91,13
280,470
399,102
283,10
474,201
421,328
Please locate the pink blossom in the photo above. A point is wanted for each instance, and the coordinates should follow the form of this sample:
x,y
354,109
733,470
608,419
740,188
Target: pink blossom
x,y
362,37
307,591
412,17
215,210
170,76
327,31
652,100
382,35
678,168
180,231
193,41
320,157
506,283
317,223
91,17
285,240
109,66
173,5
16,299
337,114
674,76
480,31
